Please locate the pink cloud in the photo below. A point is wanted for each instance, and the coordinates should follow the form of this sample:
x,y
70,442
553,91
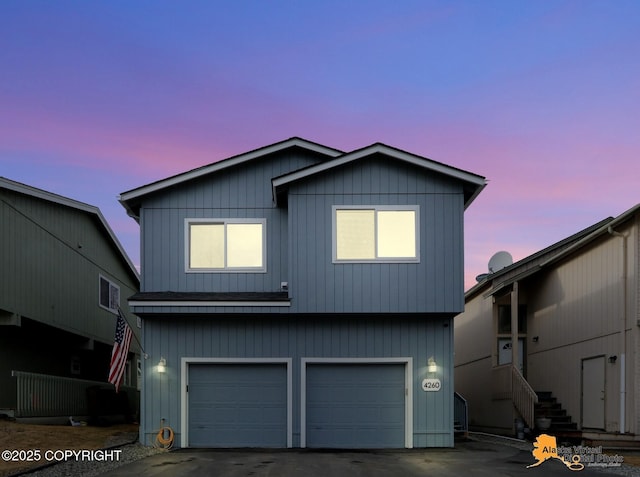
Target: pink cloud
x,y
103,147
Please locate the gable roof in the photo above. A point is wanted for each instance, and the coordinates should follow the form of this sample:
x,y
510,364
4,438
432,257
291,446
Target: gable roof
x,y
472,183
131,199
537,261
74,204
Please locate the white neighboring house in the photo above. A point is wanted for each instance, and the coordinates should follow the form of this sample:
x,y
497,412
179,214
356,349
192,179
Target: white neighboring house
x,y
573,310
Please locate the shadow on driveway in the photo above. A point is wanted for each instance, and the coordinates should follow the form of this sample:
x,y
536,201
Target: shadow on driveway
x,y
472,458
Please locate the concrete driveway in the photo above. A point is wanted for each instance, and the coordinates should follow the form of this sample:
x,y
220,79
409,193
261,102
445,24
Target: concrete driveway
x,y
472,458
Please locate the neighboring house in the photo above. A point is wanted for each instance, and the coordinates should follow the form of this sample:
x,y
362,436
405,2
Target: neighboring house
x,y
295,294
574,311
63,274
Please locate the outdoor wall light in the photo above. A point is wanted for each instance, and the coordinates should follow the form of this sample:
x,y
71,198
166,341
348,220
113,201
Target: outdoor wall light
x,y
432,366
162,365
535,339
613,359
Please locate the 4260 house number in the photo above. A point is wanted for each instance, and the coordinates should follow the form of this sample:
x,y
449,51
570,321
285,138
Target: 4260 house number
x,y
431,384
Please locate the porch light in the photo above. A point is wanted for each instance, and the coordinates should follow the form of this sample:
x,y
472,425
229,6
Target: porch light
x,y
432,366
162,365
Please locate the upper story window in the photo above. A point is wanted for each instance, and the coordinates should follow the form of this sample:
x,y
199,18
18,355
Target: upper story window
x,y
109,294
225,245
376,234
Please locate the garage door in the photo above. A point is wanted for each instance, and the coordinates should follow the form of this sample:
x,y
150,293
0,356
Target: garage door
x,y
355,405
237,405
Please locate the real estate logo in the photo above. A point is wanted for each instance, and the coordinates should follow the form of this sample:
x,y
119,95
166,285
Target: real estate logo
x,y
574,457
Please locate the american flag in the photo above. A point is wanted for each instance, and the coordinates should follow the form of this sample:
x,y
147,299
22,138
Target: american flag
x,y
120,351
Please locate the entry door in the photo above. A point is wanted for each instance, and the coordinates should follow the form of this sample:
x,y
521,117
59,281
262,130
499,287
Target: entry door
x,y
504,352
593,392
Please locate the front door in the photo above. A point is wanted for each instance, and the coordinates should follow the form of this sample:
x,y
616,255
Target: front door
x,y
593,370
504,352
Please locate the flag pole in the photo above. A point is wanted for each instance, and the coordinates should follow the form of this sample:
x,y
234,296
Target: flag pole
x,y
144,353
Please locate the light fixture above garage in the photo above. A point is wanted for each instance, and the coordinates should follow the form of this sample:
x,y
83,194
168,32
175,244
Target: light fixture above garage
x,y
432,366
162,365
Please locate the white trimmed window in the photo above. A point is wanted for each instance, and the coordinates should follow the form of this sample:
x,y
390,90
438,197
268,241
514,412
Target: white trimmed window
x,y
225,245
109,294
376,234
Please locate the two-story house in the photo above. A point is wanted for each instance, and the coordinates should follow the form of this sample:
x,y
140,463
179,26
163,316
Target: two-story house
x,y
573,312
63,275
300,296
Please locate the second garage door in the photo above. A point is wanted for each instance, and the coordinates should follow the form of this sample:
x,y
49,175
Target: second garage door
x,y
355,405
237,405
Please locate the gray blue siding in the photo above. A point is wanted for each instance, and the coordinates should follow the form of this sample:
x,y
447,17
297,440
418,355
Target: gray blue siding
x,y
300,337
243,192
378,311
433,285
299,240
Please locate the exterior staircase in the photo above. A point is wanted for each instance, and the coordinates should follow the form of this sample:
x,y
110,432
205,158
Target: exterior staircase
x,y
561,424
461,417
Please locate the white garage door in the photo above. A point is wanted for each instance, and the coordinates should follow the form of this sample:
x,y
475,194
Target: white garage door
x,y
355,405
237,405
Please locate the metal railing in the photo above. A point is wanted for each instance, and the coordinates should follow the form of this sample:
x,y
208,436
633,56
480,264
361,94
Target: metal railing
x,y
43,395
461,413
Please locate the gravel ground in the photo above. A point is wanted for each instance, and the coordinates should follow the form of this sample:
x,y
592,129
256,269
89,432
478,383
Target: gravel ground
x,y
130,451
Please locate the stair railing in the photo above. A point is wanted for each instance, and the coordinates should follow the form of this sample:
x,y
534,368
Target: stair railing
x,y
461,413
523,396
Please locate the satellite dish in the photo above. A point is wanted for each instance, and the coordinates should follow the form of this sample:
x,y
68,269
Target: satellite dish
x,y
499,261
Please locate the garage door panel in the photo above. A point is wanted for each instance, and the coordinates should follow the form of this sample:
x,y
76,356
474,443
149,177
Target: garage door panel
x,y
355,405
237,405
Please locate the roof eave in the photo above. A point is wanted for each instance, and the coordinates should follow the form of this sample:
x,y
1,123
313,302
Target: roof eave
x,y
130,199
475,193
595,234
605,226
74,204
477,182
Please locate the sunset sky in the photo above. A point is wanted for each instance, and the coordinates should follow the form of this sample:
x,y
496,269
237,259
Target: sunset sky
x,y
541,97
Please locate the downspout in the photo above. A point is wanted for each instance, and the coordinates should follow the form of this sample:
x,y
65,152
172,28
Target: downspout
x,y
623,326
